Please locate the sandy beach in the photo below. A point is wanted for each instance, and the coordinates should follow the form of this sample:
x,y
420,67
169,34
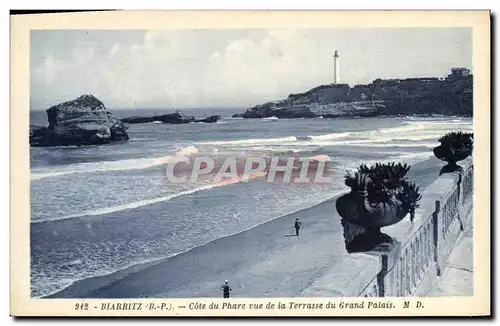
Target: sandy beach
x,y
265,261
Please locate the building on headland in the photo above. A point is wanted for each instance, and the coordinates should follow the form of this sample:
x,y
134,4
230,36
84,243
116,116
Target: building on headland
x,y
460,72
457,73
389,82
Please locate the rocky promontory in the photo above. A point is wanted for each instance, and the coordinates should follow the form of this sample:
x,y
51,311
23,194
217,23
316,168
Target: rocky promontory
x,y
390,97
82,121
172,118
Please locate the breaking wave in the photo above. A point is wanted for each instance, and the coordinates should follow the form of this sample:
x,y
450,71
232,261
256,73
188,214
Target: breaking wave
x,y
136,204
121,165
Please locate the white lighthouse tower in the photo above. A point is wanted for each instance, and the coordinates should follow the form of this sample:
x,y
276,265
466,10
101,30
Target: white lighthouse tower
x,y
336,67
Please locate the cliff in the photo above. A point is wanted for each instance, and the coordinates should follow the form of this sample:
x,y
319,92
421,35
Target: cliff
x,y
82,121
411,96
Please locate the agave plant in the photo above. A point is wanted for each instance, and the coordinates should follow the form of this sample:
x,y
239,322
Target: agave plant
x,y
457,140
455,146
409,198
381,195
385,183
356,182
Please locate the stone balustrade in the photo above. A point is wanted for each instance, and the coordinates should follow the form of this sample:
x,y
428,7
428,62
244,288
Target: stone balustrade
x,y
410,266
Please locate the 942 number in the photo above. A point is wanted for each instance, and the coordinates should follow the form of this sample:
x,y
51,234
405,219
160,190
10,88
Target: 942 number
x,y
81,306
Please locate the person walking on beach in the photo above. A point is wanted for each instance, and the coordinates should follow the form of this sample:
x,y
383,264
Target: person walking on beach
x,y
297,226
225,289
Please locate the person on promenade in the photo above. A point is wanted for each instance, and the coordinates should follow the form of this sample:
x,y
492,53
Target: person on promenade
x,y
297,226
225,289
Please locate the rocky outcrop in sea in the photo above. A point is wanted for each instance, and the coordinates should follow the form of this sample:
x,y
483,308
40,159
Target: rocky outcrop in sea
x,y
82,121
171,118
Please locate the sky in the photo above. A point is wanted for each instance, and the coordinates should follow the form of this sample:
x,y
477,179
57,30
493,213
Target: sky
x,y
229,68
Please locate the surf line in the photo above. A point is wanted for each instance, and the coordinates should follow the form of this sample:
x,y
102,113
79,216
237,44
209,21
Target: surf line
x,y
136,204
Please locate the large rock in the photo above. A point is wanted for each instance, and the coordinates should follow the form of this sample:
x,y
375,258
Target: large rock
x,y
210,119
118,129
82,121
172,118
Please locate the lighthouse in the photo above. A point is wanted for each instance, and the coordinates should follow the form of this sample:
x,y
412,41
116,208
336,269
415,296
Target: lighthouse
x,y
336,67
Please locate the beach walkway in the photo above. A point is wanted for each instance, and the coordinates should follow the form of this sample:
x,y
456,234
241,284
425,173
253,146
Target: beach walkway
x,y
458,274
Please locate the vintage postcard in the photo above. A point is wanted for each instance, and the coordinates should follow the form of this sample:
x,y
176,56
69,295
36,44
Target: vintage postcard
x,y
239,163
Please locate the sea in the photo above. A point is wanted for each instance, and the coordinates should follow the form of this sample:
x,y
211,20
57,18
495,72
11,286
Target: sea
x,y
96,210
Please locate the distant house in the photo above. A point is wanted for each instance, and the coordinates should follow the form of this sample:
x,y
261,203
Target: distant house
x,y
459,72
390,82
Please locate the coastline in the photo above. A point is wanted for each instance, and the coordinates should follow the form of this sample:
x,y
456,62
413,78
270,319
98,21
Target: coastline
x,y
269,250
356,116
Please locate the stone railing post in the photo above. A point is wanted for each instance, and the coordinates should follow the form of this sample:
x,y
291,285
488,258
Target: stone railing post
x,y
436,226
459,200
381,276
387,277
466,199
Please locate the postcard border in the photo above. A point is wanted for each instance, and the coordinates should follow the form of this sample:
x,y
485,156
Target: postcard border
x,y
479,21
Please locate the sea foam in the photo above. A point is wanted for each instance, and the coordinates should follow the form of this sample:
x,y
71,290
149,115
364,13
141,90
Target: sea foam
x,y
120,165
